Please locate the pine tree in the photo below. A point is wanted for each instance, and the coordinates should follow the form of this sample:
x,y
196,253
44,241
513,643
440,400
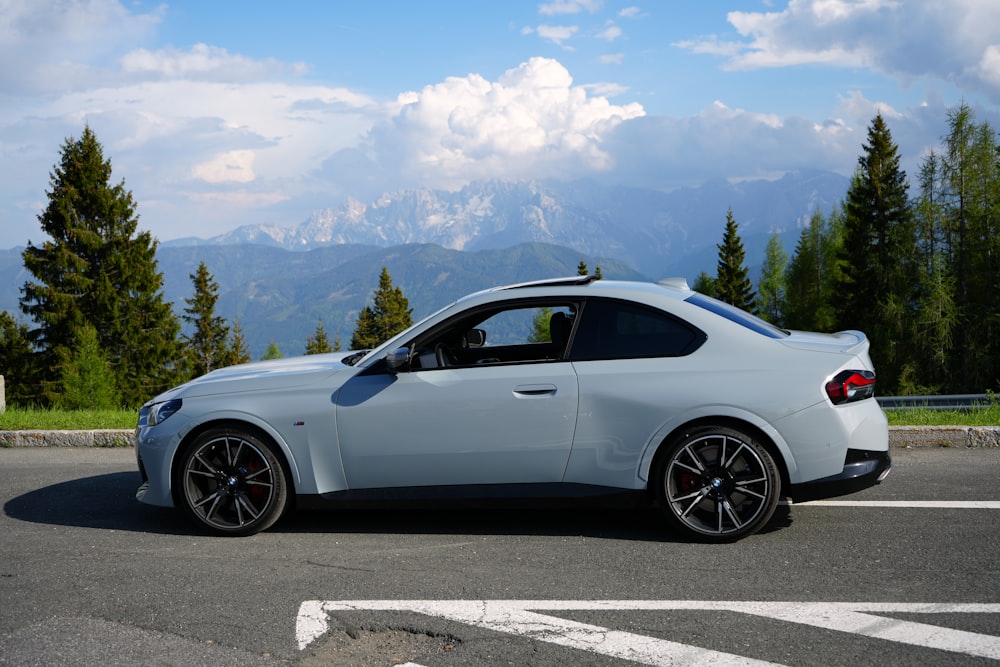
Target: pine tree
x,y
540,327
581,269
390,314
808,284
733,283
236,347
17,362
97,269
876,287
206,346
85,377
318,343
771,287
704,284
971,178
272,352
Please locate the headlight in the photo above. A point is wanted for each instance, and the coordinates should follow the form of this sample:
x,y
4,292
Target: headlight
x,y
151,415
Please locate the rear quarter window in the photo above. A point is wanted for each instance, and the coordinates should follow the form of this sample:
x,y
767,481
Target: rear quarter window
x,y
621,330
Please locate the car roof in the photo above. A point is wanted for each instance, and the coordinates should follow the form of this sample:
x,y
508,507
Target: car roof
x,y
587,284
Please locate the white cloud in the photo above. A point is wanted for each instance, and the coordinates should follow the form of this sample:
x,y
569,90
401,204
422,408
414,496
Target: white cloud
x,y
610,33
46,48
569,7
204,62
954,42
228,167
531,122
557,33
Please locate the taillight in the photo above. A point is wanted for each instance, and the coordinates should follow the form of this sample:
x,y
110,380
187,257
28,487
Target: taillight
x,y
849,386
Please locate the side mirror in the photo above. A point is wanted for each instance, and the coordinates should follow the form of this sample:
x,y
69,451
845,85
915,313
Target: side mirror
x,y
398,360
475,337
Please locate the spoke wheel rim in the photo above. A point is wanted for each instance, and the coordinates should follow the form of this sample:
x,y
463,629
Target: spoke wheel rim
x,y
718,485
229,482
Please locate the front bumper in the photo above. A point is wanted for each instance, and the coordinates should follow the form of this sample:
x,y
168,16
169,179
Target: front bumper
x,y
862,469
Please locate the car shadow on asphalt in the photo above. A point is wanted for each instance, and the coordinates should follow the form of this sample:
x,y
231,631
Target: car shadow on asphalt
x,y
107,502
642,524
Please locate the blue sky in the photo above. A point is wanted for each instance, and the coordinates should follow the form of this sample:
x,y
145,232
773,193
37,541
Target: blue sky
x,y
218,114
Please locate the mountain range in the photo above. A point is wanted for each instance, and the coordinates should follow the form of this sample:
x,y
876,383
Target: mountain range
x,y
437,245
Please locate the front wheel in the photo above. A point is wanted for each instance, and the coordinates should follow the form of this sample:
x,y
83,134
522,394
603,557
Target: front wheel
x,y
718,484
232,483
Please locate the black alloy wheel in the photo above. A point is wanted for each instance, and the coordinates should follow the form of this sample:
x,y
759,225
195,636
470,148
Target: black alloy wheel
x,y
232,483
717,484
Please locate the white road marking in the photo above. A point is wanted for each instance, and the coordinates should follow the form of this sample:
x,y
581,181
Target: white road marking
x,y
521,617
919,504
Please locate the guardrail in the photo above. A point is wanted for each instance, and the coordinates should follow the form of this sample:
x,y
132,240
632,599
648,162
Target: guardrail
x,y
948,402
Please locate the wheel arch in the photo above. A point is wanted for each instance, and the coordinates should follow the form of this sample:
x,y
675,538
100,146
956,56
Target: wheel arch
x,y
236,424
765,435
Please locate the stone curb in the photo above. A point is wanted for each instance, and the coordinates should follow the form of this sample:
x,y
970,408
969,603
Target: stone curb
x,y
899,436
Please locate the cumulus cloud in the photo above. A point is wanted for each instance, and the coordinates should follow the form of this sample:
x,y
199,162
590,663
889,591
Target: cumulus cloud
x,y
532,122
955,42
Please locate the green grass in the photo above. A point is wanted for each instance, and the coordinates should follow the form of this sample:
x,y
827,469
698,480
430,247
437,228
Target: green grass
x,y
986,416
20,419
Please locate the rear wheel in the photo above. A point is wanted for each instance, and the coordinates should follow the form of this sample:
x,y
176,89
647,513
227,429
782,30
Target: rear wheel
x,y
718,484
232,483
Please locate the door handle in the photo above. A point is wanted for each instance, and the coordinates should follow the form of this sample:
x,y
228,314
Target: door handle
x,y
534,390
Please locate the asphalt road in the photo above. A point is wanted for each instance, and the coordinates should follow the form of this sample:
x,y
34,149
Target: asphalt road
x,y
90,576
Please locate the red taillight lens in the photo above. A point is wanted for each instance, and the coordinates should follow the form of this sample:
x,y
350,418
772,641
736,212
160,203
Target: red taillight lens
x,y
850,386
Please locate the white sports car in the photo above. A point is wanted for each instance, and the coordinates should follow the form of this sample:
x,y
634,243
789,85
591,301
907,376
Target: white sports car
x,y
571,388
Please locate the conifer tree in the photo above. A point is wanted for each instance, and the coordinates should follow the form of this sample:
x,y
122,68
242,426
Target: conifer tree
x,y
318,343
272,352
876,285
206,346
771,287
85,378
16,362
733,283
97,269
704,284
808,285
581,269
389,314
237,351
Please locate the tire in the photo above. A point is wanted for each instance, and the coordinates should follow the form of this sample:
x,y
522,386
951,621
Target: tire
x,y
232,483
717,484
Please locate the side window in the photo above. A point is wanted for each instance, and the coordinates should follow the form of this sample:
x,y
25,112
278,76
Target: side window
x,y
517,333
620,330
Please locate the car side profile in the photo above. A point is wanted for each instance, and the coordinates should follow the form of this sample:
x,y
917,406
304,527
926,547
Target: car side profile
x,y
569,388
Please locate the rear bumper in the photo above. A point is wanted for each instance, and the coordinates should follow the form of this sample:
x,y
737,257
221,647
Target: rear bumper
x,y
862,469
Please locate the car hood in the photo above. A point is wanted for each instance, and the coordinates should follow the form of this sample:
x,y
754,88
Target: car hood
x,y
263,376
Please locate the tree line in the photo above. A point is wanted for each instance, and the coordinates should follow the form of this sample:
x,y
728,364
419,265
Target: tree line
x,y
918,273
